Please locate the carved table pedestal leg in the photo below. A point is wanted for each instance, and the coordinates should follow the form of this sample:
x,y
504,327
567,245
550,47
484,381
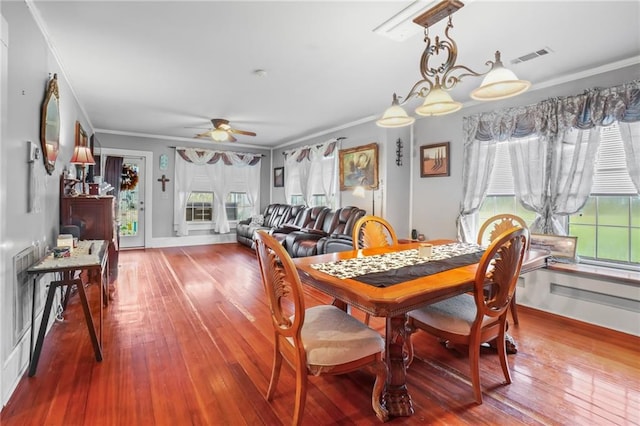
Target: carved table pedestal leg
x,y
396,397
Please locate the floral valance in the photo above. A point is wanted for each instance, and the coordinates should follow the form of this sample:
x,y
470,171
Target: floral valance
x,y
206,156
595,107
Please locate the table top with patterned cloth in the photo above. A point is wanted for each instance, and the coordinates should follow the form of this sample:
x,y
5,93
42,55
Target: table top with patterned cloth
x,y
387,269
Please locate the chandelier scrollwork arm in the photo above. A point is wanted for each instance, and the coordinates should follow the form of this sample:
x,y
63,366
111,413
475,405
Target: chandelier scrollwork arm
x,y
440,78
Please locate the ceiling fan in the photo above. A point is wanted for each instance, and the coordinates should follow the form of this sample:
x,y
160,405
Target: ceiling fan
x,y
222,132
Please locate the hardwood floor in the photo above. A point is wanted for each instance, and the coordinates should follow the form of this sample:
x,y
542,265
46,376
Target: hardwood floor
x,y
187,340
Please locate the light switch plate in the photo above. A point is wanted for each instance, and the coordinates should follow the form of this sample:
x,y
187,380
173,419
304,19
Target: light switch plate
x,y
33,152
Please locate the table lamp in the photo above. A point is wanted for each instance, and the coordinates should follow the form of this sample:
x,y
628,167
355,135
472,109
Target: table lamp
x,y
82,155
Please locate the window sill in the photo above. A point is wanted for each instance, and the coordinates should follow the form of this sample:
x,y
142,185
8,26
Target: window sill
x,y
597,272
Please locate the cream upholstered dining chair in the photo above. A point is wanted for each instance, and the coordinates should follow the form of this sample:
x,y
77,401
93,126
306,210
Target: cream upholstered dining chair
x,y
490,230
318,340
473,319
373,231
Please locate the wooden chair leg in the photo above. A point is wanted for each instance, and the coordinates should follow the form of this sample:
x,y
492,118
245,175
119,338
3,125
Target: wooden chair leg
x,y
301,394
502,354
514,309
474,361
275,372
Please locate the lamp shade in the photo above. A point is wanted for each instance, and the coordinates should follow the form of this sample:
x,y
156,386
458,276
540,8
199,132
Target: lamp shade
x,y
395,116
438,102
82,155
219,135
358,191
500,83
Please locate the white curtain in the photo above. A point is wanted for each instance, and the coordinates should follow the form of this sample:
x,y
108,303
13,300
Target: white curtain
x,y
553,167
311,170
573,161
253,188
530,165
479,157
185,174
630,133
220,183
218,167
291,175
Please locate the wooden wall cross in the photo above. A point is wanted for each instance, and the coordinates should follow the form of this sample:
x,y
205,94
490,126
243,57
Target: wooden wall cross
x,y
164,181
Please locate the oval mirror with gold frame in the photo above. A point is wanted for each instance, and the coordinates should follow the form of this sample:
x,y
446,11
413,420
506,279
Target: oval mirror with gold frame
x,y
50,125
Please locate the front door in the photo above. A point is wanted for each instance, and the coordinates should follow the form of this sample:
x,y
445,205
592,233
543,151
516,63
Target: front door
x,y
131,204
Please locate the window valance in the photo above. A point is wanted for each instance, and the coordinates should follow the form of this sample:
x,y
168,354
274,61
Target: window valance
x,y
325,149
229,158
595,107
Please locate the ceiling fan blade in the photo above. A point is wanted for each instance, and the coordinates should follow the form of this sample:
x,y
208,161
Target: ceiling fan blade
x,y
206,134
242,132
217,122
231,138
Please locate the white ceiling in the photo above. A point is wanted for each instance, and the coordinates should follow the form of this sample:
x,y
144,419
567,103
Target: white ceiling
x,y
164,68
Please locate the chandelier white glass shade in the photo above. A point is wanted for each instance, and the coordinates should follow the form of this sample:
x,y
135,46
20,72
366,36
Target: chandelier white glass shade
x,y
437,81
395,116
499,83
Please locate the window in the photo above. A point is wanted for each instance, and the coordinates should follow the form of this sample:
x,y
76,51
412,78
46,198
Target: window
x,y
238,207
200,207
501,193
607,227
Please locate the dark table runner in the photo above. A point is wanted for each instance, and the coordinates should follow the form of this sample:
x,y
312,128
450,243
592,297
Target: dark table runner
x,y
408,273
383,270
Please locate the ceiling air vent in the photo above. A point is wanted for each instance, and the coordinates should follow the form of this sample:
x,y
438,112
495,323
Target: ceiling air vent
x,y
532,55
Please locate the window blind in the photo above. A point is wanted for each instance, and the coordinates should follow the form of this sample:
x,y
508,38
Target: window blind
x,y
611,175
501,182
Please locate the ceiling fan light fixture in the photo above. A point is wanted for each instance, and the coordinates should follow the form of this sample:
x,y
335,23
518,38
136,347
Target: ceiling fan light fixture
x,y
219,135
438,102
499,83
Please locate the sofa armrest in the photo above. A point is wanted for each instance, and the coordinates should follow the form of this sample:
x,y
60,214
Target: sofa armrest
x,y
285,229
315,232
335,243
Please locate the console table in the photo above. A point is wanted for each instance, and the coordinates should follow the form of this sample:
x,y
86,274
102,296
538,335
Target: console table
x,y
91,256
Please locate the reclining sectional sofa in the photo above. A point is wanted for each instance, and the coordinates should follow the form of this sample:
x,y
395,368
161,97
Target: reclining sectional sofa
x,y
303,231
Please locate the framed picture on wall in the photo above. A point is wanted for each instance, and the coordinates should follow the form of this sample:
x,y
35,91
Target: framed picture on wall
x,y
434,160
359,167
278,177
559,246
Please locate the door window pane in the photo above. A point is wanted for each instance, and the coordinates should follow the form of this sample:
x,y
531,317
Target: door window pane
x,y
128,201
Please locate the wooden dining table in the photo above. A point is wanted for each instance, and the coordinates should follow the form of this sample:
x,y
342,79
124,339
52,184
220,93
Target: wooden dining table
x,y
393,302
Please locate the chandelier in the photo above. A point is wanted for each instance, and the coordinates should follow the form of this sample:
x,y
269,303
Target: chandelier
x,y
498,83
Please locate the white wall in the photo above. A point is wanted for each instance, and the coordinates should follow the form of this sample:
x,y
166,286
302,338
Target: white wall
x,y
611,304
26,67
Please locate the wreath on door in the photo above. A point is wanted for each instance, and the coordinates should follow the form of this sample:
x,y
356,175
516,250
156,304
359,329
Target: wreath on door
x,y
128,178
